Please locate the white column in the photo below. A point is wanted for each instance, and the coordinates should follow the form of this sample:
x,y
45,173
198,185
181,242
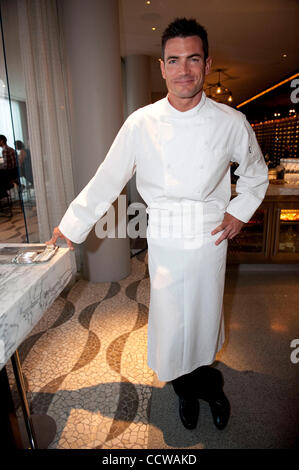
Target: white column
x,y
138,94
138,91
90,31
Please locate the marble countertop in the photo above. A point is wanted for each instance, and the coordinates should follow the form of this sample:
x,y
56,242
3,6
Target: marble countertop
x,y
26,291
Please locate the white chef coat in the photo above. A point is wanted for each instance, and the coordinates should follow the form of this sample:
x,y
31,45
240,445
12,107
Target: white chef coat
x,y
182,160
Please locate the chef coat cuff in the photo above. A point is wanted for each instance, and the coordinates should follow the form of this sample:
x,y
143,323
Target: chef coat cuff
x,y
243,206
71,227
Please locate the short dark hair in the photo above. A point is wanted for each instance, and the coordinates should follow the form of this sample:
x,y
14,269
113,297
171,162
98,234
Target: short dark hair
x,y
19,145
2,137
183,28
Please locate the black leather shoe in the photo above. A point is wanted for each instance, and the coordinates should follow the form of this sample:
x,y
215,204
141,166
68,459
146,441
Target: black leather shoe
x,y
220,409
189,412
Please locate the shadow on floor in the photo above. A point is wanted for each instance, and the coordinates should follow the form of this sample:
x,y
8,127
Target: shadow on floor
x,y
264,412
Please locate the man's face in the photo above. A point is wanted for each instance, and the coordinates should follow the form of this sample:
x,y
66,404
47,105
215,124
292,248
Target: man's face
x,y
184,67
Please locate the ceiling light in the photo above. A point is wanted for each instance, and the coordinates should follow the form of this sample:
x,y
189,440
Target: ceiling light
x,y
219,89
153,28
284,55
216,89
148,2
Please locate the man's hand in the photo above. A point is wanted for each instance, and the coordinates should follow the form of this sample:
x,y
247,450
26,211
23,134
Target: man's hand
x,y
230,225
57,234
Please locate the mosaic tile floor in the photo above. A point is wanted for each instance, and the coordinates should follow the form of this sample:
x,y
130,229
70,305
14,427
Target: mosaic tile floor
x,y
85,363
85,366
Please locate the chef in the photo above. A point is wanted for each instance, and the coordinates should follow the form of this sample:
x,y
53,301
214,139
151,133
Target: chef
x,y
181,148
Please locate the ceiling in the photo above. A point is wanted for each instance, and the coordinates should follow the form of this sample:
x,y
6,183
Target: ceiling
x,y
247,38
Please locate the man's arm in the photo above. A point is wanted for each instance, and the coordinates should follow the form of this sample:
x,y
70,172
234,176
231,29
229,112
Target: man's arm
x,y
105,186
253,180
251,185
230,227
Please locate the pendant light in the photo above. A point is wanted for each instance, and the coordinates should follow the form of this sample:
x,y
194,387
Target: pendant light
x,y
219,92
219,89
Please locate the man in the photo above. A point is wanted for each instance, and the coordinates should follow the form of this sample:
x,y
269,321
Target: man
x,y
8,168
181,148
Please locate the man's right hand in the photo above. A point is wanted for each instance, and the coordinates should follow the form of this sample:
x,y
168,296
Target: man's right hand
x,y
57,234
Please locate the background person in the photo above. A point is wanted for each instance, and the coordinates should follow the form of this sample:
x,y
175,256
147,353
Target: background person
x,y
9,165
24,161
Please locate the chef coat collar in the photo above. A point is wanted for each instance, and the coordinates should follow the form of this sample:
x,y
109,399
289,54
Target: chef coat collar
x,y
185,114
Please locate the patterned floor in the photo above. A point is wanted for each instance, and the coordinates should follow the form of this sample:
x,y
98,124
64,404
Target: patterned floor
x,y
97,390
85,364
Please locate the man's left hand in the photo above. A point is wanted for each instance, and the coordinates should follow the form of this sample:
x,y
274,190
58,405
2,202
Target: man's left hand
x,y
230,225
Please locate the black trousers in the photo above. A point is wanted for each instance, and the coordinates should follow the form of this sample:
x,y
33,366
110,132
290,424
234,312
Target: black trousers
x,y
205,382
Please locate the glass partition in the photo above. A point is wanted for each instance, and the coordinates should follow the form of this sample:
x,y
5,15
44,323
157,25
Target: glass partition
x,y
18,217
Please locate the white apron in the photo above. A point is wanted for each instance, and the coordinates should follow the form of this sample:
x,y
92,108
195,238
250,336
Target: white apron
x,y
187,272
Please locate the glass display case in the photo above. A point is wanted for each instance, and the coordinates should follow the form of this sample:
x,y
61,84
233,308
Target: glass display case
x,y
286,223
271,236
252,242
